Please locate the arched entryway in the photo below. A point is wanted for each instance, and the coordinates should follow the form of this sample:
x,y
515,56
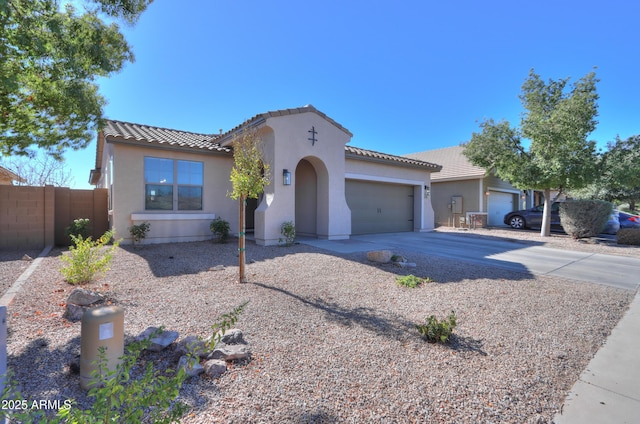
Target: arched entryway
x,y
306,182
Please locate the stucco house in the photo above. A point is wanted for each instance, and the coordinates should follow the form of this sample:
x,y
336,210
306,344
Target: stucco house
x,y
462,192
178,181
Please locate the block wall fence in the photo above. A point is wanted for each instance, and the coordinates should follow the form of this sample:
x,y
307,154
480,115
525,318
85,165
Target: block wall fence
x,y
35,217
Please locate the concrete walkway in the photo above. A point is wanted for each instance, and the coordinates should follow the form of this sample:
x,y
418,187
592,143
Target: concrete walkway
x,y
608,391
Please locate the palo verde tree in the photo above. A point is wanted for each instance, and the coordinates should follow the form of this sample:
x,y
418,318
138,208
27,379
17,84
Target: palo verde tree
x,y
249,175
550,150
50,58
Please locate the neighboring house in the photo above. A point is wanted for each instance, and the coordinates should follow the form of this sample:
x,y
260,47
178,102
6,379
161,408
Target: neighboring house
x,y
178,181
8,177
462,191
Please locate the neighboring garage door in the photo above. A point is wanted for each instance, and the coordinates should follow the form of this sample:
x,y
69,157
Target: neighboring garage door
x,y
379,207
498,205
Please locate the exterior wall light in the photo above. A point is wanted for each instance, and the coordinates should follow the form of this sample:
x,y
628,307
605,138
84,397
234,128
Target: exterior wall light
x,y
286,177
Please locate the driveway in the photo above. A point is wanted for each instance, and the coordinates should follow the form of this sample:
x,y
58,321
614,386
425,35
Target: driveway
x,y
518,255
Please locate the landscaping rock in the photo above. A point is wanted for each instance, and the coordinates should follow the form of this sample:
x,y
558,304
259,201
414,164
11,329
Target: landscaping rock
x,y
214,368
194,345
79,301
233,336
161,341
381,256
74,312
84,297
217,268
231,352
191,366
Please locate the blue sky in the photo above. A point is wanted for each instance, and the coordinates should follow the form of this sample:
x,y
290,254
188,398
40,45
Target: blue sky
x,y
403,76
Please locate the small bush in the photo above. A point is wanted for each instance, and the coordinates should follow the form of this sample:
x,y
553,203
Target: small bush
x,y
79,227
220,228
628,236
584,218
288,230
438,331
88,258
412,281
139,232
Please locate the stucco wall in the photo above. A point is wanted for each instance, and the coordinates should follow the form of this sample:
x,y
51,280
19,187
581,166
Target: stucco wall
x,y
129,196
286,143
442,193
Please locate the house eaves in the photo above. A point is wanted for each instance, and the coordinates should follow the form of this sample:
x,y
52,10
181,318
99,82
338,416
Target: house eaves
x,y
357,153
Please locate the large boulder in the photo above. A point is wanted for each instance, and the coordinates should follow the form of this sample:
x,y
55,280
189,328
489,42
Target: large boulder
x,y
381,256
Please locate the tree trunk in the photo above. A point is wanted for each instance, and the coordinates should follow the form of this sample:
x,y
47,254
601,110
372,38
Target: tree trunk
x,y
241,241
545,228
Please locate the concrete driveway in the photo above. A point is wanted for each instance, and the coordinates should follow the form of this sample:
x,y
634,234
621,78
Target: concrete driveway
x,y
517,255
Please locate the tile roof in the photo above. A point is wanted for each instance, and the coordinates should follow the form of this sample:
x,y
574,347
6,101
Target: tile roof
x,y
145,134
455,165
384,157
228,136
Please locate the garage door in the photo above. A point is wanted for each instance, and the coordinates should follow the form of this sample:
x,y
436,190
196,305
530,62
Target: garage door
x,y
498,205
379,207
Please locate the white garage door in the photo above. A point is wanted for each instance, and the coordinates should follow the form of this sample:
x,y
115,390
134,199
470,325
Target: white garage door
x,y
498,205
379,207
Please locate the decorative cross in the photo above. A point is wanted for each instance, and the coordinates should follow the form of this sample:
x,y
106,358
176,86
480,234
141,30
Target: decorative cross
x,y
313,135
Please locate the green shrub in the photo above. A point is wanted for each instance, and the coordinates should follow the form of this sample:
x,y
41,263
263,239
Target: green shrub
x,y
288,230
628,236
412,281
220,228
139,232
79,227
438,331
88,258
584,218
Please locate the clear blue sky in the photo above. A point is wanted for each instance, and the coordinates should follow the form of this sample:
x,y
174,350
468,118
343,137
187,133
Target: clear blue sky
x,y
402,76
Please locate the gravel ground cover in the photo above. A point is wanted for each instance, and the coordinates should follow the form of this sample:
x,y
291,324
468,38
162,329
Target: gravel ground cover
x,y
12,265
333,337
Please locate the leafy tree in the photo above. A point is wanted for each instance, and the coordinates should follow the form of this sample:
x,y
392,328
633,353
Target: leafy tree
x,y
620,177
556,123
51,58
249,175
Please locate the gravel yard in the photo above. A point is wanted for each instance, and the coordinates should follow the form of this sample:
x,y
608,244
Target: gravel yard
x,y
333,337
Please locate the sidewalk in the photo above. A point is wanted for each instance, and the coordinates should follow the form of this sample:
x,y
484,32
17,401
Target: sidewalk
x,y
608,391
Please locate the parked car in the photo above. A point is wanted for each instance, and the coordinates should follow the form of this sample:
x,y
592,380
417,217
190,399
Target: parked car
x,y
532,218
613,224
628,221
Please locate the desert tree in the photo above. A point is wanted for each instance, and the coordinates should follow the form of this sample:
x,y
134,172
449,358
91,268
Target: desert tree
x,y
549,150
249,176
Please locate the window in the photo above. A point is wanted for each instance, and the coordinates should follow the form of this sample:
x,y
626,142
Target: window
x,y
173,184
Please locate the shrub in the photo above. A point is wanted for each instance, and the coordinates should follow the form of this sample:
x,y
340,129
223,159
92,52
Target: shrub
x,y
79,227
88,258
628,236
288,230
220,228
412,281
438,331
584,218
139,232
